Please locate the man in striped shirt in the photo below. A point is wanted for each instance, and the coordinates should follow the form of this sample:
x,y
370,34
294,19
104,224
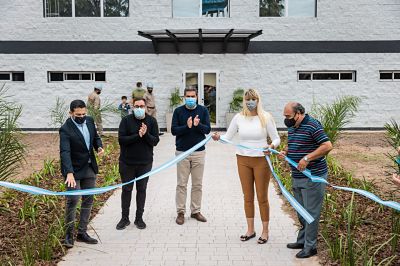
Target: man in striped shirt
x,y
307,145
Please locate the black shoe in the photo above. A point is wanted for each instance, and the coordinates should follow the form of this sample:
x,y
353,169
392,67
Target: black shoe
x,y
69,241
295,245
247,238
160,134
306,253
123,223
139,224
84,237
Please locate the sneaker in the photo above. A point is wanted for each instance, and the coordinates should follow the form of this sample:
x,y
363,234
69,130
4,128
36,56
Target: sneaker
x,y
139,223
123,223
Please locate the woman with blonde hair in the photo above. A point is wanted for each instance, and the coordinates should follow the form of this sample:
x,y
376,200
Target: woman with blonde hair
x,y
253,125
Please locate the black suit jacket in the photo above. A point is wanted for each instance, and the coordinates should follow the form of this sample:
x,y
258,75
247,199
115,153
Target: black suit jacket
x,y
73,150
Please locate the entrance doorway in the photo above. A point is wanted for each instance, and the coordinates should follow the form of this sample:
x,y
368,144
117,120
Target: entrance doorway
x,y
206,83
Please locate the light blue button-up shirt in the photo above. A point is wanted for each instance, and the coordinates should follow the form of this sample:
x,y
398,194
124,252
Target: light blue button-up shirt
x,y
85,132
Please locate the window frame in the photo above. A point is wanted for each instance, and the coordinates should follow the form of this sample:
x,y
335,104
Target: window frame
x,y
80,73
73,11
339,72
10,74
201,11
391,72
287,11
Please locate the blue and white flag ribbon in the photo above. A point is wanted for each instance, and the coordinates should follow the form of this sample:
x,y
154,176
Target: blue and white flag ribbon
x,y
307,173
40,191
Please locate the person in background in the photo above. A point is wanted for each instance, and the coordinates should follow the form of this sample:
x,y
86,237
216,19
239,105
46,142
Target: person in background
x,y
124,107
137,136
253,125
190,124
78,140
139,91
151,102
94,102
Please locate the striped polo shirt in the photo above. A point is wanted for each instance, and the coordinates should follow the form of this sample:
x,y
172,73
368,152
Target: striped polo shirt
x,y
302,141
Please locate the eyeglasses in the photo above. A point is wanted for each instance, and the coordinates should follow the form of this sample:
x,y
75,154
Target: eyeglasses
x,y
139,106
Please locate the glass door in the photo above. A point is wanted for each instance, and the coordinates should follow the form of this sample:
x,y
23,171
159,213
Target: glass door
x,y
206,84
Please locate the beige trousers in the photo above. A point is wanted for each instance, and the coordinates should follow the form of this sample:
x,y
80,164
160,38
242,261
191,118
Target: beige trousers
x,y
192,165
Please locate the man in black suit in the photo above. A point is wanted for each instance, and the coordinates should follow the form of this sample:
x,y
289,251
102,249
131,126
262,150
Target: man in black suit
x,y
78,138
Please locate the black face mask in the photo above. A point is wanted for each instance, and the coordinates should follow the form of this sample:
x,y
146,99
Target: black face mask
x,y
80,120
290,122
150,91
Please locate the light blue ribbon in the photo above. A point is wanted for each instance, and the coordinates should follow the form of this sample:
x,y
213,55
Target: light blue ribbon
x,y
295,204
306,172
40,191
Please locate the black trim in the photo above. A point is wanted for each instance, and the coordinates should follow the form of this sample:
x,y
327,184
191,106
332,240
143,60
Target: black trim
x,y
146,47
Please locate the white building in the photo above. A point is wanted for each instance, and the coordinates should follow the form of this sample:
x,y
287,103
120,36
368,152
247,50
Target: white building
x,y
316,49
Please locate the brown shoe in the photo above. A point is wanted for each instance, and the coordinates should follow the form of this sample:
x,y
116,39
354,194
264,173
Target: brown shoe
x,y
181,218
199,217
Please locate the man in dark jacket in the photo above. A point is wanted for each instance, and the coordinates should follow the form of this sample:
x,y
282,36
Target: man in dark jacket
x,y
190,124
78,140
137,135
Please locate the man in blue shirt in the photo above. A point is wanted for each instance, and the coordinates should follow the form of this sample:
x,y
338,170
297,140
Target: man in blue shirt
x,y
307,145
190,124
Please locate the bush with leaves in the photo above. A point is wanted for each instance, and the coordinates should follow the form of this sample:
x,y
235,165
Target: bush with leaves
x,y
393,138
12,151
237,100
337,115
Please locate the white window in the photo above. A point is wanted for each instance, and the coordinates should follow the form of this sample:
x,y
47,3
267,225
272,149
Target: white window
x,y
57,76
12,76
387,75
200,8
326,75
288,8
86,8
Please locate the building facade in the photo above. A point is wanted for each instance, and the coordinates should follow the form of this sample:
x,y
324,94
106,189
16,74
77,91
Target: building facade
x,y
309,50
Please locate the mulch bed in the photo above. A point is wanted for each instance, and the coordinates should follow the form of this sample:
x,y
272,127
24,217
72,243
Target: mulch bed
x,y
371,228
22,231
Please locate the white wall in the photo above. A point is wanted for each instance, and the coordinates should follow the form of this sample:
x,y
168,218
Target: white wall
x,y
274,74
336,20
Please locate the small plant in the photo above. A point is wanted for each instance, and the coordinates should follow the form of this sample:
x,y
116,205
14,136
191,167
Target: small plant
x,y
175,99
335,116
58,113
12,151
393,138
237,101
106,109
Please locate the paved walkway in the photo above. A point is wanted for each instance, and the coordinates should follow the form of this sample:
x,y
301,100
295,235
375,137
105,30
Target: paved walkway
x,y
164,242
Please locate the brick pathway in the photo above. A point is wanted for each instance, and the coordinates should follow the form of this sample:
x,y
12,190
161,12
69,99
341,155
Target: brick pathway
x,y
164,242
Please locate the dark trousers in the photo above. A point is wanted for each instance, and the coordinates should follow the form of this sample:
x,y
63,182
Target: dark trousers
x,y
87,201
311,196
128,173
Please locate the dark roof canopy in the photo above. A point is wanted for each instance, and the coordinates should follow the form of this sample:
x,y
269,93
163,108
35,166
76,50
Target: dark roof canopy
x,y
200,40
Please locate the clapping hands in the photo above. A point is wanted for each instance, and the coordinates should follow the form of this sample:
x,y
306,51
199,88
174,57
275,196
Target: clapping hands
x,y
142,130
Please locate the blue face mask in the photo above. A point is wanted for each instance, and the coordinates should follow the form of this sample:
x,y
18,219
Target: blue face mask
x,y
190,102
251,104
139,113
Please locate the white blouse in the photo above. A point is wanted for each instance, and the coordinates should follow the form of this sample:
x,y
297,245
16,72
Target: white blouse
x,y
251,134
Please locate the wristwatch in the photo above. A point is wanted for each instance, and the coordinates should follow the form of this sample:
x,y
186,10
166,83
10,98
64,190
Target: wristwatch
x,y
306,159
